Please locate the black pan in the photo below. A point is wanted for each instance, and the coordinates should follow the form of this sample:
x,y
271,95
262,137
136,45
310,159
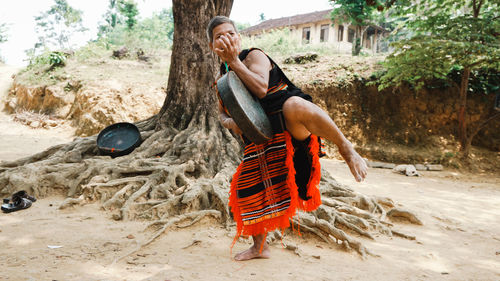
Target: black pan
x,y
118,139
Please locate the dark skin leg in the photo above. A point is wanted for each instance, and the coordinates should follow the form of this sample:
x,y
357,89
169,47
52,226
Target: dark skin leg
x,y
303,118
254,251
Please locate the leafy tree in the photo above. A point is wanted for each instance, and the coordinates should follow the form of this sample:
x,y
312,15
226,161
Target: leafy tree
x,y
241,26
3,36
129,10
453,34
3,33
262,17
150,34
158,29
111,17
57,25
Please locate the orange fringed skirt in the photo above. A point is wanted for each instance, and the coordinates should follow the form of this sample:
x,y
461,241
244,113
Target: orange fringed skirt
x,y
264,192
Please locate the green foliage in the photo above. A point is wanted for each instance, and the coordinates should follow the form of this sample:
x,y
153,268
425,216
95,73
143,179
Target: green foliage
x,y
92,50
150,34
481,81
57,59
123,29
48,60
279,43
356,12
445,39
359,13
111,17
3,33
57,25
241,26
158,30
3,37
129,10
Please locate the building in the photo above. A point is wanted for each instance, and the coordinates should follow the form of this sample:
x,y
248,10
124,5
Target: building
x,y
317,27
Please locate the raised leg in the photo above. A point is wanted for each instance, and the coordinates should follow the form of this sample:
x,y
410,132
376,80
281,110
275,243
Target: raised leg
x,y
303,118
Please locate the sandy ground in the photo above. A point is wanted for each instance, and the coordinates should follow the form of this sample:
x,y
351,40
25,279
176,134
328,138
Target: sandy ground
x,y
460,238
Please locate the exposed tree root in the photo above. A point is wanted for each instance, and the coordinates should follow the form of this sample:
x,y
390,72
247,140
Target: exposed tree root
x,y
405,214
177,176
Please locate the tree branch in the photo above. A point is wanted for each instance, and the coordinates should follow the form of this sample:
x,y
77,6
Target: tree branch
x,y
478,128
477,63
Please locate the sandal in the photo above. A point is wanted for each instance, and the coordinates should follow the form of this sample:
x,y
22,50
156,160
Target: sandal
x,y
24,194
20,200
21,203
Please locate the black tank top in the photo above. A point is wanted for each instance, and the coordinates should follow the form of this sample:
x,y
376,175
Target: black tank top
x,y
273,102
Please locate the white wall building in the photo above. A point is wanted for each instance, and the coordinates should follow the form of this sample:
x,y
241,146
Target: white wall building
x,y
318,28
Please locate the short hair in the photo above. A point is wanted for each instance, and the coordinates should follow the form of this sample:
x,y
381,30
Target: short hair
x,y
216,21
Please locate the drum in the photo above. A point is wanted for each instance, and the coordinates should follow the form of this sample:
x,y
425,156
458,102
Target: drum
x,y
244,108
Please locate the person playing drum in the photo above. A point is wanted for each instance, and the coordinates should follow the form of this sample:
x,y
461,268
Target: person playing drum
x,y
281,176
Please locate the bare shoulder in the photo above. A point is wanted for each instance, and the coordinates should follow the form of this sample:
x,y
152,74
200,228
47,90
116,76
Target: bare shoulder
x,y
257,58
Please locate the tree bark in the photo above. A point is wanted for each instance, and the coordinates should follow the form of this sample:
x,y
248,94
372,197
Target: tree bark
x,y
193,67
462,124
356,44
477,129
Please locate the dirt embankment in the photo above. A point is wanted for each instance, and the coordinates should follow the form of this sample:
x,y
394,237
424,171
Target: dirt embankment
x,y
397,125
402,126
90,96
404,116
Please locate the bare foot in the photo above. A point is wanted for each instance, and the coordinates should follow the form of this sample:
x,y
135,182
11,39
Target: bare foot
x,y
253,253
356,164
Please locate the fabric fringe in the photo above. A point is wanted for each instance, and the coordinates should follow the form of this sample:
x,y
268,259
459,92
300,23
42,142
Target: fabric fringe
x,y
233,205
313,185
282,222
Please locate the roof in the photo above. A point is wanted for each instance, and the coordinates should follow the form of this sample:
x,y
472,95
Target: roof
x,y
288,21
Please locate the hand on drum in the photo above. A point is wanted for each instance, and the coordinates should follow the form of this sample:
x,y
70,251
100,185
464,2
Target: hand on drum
x,y
233,126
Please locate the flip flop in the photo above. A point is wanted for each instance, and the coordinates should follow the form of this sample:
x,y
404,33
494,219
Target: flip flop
x,y
18,203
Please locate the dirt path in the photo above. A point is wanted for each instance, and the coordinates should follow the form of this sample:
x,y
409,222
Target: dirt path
x,y
18,140
460,240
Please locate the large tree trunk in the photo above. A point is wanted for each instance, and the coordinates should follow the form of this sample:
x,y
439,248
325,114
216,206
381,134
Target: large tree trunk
x,y
193,67
182,169
356,43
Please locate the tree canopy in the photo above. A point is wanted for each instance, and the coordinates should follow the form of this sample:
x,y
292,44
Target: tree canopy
x,y
453,34
3,32
121,27
359,13
445,36
129,11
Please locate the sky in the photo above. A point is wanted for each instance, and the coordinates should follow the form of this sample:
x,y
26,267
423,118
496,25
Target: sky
x,y
19,16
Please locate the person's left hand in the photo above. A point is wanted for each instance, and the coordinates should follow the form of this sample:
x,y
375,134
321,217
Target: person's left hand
x,y
226,48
